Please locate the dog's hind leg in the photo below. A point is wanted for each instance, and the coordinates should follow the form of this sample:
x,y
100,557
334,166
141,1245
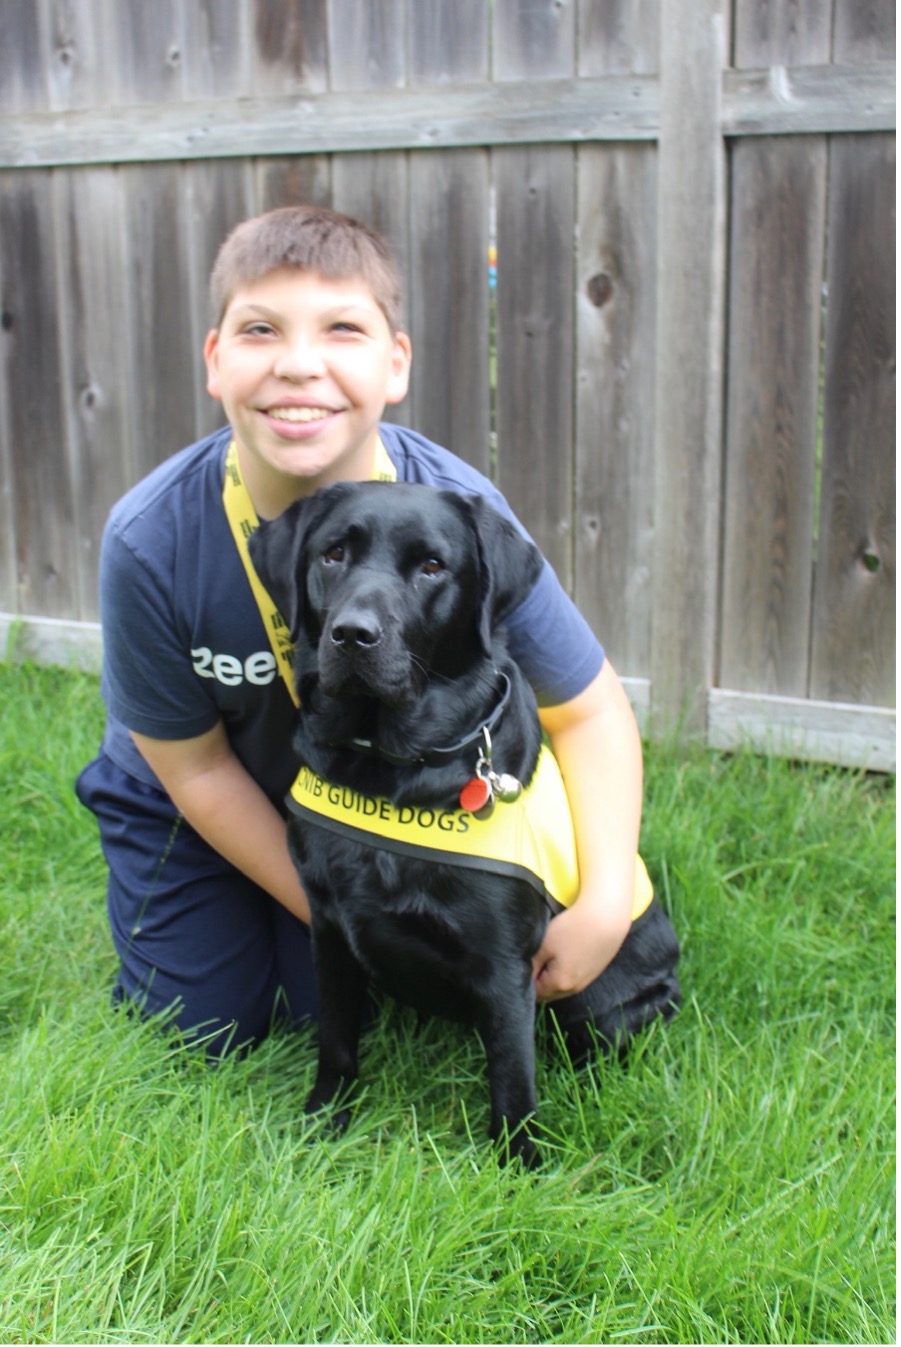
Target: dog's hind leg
x,y
342,987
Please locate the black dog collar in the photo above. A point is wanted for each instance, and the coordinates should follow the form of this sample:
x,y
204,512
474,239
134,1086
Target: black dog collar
x,y
436,756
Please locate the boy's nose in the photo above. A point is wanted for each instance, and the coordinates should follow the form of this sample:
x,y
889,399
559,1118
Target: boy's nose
x,y
300,360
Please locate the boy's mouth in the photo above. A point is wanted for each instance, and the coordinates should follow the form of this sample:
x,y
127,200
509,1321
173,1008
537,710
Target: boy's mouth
x,y
299,415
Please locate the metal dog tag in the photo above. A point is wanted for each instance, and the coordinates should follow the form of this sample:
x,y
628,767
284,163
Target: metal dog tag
x,y
506,787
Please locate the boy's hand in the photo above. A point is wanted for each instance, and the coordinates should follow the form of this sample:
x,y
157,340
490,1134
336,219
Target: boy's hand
x,y
578,945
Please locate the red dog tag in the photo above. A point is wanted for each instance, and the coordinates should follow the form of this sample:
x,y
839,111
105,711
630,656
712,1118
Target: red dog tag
x,y
475,795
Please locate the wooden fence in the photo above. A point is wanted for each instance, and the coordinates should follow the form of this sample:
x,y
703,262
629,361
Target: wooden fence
x,y
683,378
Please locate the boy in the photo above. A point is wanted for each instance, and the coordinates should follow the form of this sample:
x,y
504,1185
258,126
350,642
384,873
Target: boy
x,y
208,915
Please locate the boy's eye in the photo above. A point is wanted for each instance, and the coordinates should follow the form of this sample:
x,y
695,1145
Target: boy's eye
x,y
259,329
345,327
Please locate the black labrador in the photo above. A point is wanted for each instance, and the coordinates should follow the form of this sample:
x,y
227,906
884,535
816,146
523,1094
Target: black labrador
x,y
396,596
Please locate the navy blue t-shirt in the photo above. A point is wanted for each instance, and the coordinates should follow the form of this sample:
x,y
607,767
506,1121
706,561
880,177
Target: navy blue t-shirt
x,y
184,642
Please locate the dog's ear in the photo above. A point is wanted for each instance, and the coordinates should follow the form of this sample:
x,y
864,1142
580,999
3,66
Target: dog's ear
x,y
509,565
277,550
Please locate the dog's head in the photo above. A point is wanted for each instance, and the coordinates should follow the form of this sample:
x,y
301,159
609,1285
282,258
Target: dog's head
x,y
383,584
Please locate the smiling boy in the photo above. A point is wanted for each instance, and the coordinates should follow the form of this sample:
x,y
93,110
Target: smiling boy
x,y
207,913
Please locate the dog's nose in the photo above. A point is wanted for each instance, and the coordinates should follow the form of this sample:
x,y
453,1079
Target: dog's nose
x,y
359,629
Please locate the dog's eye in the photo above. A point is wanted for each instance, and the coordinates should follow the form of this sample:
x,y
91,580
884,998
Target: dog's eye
x,y
432,567
333,554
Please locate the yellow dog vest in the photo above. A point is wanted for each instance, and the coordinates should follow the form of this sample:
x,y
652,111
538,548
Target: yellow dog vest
x,y
531,838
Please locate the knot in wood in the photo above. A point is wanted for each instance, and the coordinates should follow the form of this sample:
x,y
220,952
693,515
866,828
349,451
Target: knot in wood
x,y
600,288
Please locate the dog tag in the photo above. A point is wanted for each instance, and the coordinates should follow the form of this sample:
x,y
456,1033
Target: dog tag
x,y
477,797
506,787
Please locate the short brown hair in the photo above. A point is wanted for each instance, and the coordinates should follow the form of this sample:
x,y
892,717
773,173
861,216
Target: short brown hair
x,y
310,238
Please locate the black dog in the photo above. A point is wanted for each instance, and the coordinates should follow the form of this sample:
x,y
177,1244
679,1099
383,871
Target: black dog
x,y
395,596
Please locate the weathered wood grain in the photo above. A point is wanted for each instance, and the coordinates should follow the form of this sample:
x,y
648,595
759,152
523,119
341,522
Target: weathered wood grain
x,y
689,346
618,37
541,111
615,361
535,347
777,215
448,42
776,258
290,47
448,301
812,731
95,355
156,301
853,647
447,264
781,33
864,30
45,577
614,466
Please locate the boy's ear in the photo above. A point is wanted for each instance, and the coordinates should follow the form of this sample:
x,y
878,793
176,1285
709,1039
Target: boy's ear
x,y
211,360
399,369
509,565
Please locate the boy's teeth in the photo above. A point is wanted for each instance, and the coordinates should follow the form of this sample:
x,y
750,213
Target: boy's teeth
x,y
299,413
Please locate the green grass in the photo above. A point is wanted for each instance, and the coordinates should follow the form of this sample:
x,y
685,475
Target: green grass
x,y
735,1184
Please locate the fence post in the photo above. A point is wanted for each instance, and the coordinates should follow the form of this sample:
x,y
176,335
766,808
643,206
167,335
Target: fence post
x,y
689,383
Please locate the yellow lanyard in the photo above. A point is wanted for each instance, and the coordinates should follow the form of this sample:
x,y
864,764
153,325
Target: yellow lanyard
x,y
243,521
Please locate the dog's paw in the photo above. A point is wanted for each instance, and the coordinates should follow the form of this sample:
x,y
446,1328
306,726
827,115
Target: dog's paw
x,y
519,1146
330,1108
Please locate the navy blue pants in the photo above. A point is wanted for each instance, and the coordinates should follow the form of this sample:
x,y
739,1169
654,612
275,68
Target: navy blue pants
x,y
194,936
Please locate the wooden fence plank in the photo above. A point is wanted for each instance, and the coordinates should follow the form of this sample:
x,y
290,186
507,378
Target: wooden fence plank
x,y
618,107
781,33
615,332
535,348
23,76
853,649
535,202
95,365
533,37
777,213
290,48
618,37
288,180
776,252
218,49
371,187
376,57
163,355
864,30
813,731
616,320
517,112
448,284
688,399
142,48
448,42
447,263
42,489
72,58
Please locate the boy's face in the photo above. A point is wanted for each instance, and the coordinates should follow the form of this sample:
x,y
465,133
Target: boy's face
x,y
304,367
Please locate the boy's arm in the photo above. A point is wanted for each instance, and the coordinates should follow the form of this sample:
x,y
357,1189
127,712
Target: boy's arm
x,y
223,803
596,742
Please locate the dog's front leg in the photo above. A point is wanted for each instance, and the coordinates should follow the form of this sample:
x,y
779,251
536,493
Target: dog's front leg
x,y
508,1033
342,986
